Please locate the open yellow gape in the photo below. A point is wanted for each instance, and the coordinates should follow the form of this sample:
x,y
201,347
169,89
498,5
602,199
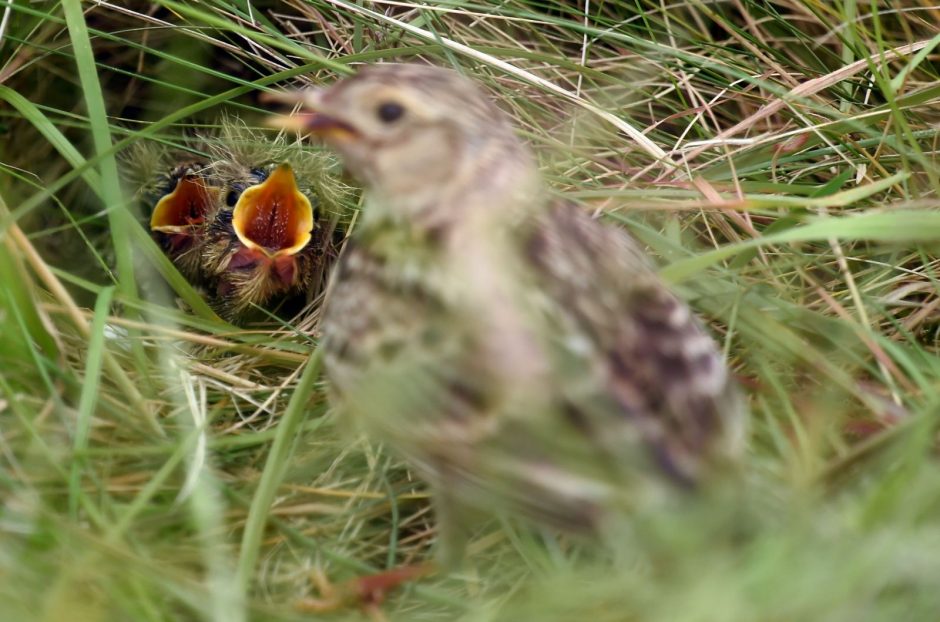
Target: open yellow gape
x,y
274,217
189,204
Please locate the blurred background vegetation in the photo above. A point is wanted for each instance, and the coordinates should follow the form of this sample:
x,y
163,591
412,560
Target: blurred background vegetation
x,y
780,159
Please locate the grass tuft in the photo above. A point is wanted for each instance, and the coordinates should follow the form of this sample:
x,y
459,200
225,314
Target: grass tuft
x,y
780,159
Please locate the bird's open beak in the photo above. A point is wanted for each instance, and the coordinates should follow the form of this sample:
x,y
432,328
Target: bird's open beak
x,y
189,204
274,217
313,120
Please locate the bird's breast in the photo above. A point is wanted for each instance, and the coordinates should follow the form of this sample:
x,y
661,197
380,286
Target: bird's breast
x,y
379,309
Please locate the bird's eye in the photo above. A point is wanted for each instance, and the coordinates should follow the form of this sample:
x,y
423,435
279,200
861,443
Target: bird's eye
x,y
232,197
390,112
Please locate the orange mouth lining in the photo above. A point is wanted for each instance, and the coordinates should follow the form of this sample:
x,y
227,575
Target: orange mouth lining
x,y
274,217
187,206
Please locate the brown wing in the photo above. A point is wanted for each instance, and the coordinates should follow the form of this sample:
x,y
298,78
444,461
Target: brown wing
x,y
659,366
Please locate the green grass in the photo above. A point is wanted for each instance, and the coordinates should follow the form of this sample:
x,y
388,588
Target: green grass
x,y
780,161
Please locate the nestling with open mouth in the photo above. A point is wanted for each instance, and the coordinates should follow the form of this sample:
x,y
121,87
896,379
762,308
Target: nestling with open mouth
x,y
267,244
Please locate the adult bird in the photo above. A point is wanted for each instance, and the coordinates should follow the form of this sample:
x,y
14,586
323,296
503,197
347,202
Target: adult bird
x,y
523,356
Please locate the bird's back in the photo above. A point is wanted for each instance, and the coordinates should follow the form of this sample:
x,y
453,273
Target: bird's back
x,y
658,371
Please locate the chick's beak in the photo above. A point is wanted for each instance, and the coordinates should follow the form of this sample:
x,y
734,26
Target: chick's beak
x,y
274,217
314,120
188,205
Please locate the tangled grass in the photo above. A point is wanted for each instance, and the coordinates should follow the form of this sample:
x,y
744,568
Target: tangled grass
x,y
779,159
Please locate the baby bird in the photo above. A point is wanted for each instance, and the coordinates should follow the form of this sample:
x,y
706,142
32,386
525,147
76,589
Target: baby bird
x,y
237,220
181,216
267,245
523,356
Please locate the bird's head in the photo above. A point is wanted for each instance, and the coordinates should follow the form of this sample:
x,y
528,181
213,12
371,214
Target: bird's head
x,y
190,202
406,130
274,218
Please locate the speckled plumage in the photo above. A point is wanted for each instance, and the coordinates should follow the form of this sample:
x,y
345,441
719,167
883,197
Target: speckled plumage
x,y
522,355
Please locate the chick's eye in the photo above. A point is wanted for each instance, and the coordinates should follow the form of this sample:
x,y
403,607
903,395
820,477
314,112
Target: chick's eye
x,y
390,111
232,197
